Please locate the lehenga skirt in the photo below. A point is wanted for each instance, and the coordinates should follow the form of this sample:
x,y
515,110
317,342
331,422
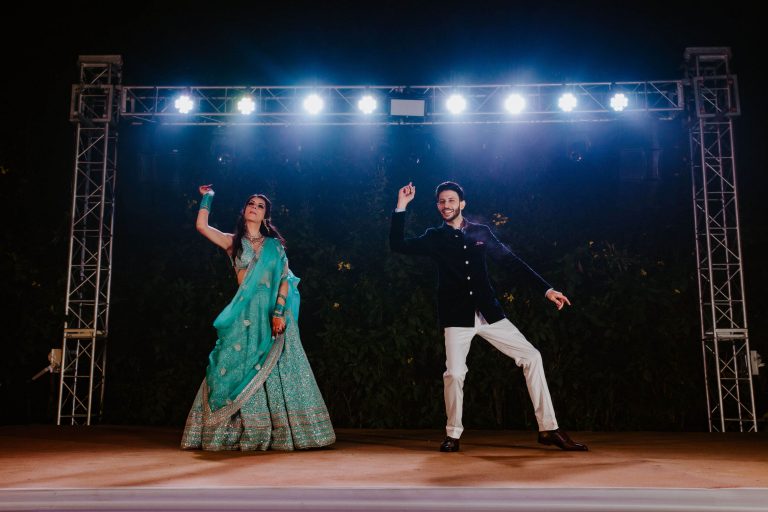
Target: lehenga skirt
x,y
281,409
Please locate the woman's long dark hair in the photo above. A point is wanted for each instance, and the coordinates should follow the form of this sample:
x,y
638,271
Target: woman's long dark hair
x,y
266,228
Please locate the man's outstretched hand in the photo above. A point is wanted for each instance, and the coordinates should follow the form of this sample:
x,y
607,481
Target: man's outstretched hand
x,y
405,195
558,298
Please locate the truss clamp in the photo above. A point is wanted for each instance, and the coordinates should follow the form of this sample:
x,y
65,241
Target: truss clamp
x,y
726,334
83,334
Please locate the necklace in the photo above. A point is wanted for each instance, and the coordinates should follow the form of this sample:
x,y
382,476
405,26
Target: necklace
x,y
254,239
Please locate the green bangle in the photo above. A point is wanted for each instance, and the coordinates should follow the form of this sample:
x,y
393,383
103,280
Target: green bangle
x,y
205,202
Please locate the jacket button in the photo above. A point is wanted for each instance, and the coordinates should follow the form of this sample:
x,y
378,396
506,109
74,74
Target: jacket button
x,y
470,293
467,262
465,246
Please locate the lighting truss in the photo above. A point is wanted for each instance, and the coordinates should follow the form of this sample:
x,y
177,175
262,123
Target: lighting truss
x,y
485,103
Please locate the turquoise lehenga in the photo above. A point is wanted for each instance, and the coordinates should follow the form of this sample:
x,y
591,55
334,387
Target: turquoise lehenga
x,y
259,391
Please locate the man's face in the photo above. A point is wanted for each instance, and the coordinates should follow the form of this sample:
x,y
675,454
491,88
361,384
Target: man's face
x,y
448,205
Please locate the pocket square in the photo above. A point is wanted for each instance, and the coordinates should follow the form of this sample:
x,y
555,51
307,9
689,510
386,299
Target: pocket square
x,y
479,242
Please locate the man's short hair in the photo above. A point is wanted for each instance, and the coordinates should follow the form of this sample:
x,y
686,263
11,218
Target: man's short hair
x,y
449,185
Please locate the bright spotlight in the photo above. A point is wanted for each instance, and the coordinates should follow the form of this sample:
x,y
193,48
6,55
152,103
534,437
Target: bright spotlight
x,y
184,104
367,104
567,102
514,103
246,105
619,102
456,104
313,104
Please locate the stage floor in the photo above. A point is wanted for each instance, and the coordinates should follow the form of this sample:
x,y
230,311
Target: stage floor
x,y
141,468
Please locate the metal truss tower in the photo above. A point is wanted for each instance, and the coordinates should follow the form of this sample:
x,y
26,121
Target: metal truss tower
x,y
95,112
713,104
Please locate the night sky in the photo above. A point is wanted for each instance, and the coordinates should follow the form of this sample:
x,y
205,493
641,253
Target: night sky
x,y
384,42
349,43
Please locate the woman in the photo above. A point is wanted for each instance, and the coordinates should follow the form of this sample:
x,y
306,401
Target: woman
x,y
259,392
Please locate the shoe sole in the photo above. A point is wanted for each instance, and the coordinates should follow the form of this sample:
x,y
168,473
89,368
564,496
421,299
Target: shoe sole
x,y
552,443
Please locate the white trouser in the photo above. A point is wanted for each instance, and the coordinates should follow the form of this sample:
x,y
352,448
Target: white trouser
x,y
509,340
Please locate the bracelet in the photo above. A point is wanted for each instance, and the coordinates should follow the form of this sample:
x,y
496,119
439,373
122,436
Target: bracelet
x,y
205,202
279,310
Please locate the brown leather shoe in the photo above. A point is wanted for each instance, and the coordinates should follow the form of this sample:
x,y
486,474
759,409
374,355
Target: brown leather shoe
x,y
561,439
449,445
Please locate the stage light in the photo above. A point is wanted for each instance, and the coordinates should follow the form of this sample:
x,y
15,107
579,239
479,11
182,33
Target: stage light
x,y
567,102
619,102
514,103
456,104
313,104
246,105
184,104
367,104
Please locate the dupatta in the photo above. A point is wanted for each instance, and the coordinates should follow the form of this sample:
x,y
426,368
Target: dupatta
x,y
245,350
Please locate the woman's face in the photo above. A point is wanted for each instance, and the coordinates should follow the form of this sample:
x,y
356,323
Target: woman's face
x,y
255,210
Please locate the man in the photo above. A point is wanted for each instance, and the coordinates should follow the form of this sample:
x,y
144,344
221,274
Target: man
x,y
467,306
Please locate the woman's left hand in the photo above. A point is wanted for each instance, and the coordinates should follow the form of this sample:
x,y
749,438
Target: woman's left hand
x,y
278,325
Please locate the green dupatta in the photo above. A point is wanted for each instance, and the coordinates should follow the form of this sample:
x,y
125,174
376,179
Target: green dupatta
x,y
245,332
